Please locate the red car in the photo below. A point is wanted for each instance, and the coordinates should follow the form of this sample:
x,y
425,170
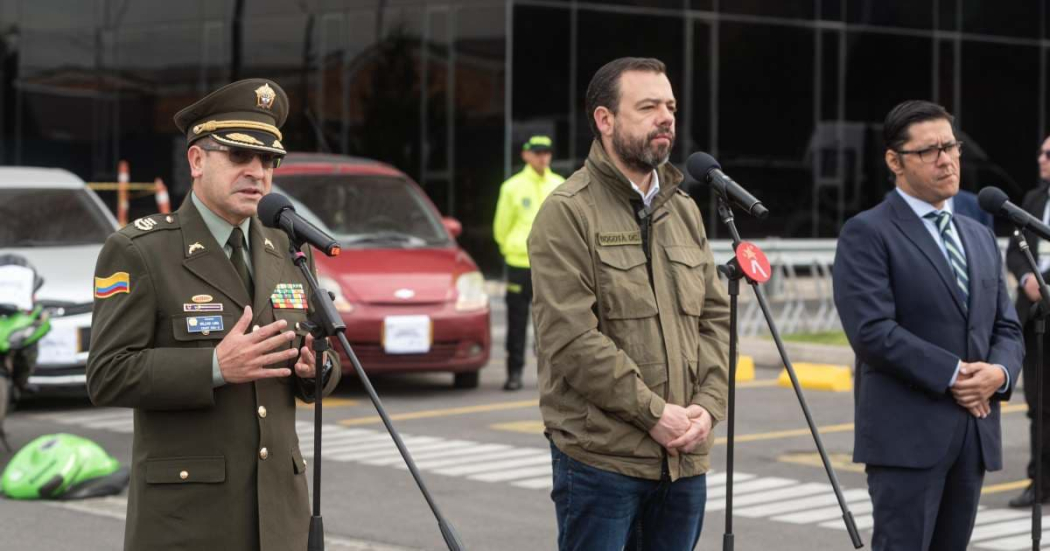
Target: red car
x,y
412,299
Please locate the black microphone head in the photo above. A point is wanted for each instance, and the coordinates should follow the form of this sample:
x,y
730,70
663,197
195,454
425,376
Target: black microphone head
x,y
270,208
699,164
991,199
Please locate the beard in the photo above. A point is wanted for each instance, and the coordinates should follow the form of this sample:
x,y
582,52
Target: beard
x,y
640,153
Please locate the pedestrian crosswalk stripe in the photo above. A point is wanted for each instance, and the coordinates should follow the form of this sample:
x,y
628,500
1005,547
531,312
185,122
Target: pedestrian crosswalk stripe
x,y
1008,528
750,486
480,458
484,467
824,513
770,509
542,483
792,491
463,450
775,499
513,474
997,515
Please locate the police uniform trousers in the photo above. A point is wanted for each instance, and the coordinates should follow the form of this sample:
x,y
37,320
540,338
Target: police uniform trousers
x,y
519,296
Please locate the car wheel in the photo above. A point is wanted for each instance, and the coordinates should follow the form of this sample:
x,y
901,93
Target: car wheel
x,y
466,380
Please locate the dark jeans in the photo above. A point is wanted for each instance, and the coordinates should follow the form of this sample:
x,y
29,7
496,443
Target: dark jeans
x,y
519,296
1030,397
604,511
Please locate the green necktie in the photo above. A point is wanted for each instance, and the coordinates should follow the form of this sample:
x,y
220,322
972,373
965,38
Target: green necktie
x,y
236,242
955,257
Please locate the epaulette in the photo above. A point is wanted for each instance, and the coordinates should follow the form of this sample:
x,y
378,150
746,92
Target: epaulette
x,y
682,191
575,184
150,224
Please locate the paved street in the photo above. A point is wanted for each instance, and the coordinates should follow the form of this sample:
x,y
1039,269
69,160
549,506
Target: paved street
x,y
487,464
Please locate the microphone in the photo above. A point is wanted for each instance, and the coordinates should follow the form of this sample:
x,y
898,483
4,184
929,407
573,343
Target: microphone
x,y
993,200
705,168
276,211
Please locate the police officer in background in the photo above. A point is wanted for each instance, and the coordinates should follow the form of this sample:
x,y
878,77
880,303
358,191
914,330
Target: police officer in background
x,y
196,327
519,200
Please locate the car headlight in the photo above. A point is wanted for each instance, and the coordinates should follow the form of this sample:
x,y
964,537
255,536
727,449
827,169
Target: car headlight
x,y
470,288
332,286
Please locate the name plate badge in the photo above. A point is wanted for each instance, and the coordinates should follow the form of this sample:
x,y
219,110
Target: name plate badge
x,y
204,324
407,334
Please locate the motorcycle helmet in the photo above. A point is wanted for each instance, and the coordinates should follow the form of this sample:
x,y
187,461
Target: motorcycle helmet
x,y
62,466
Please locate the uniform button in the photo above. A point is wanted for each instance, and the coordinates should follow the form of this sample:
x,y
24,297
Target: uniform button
x,y
184,475
206,332
264,453
262,412
254,329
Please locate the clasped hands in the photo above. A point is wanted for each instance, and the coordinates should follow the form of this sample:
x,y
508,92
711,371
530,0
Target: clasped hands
x,y
975,385
681,429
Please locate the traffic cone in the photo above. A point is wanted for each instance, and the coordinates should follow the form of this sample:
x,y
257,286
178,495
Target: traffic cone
x,y
163,202
123,177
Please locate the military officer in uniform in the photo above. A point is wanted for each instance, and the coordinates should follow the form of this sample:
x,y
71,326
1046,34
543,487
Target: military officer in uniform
x,y
196,328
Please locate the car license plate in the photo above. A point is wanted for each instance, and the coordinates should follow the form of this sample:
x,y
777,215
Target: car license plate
x,y
407,334
59,346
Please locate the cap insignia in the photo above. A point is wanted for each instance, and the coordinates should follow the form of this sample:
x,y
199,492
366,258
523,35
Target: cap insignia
x,y
264,96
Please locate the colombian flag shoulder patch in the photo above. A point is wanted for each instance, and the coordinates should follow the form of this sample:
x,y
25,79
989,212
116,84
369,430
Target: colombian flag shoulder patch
x,y
115,284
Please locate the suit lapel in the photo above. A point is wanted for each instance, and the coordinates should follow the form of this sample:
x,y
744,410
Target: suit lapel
x,y
206,259
267,263
915,231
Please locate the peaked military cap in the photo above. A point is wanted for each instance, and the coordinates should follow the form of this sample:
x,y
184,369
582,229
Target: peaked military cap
x,y
247,114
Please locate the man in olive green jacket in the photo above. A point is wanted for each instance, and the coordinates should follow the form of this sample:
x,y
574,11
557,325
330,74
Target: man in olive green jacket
x,y
195,327
632,327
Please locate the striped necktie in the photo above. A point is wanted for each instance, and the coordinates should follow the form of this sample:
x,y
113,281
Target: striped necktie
x,y
955,257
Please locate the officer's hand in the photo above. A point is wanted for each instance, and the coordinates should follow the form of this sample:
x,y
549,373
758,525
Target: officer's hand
x,y
674,422
1031,288
243,357
699,429
305,367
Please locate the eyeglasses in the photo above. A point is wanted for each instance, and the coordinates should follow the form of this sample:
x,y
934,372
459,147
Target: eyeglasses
x,y
930,155
239,156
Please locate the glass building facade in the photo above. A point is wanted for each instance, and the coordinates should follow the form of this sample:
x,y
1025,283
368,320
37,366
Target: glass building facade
x,y
789,95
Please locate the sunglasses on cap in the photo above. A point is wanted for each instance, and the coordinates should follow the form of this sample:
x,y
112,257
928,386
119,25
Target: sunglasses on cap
x,y
239,156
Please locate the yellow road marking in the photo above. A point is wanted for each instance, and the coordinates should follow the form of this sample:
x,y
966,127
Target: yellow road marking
x,y
1005,487
529,427
442,412
757,384
776,435
327,402
840,461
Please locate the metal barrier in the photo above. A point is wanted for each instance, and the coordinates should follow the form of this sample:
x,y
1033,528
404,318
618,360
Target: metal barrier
x,y
800,302
123,186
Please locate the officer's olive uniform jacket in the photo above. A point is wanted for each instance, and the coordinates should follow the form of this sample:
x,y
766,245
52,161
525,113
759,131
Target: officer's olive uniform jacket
x,y
615,346
199,481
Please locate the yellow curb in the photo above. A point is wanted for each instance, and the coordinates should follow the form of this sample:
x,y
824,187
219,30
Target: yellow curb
x,y
745,369
836,378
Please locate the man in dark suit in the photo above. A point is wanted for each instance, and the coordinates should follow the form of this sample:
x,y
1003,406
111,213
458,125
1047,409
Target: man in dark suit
x,y
1035,203
196,327
924,305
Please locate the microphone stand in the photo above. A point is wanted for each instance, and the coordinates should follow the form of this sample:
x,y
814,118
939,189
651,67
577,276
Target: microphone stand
x,y
1039,312
734,273
326,322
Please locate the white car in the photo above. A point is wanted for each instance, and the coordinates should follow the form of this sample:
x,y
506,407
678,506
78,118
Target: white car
x,y
50,217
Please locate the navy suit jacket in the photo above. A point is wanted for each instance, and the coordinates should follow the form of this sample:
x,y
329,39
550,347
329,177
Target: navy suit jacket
x,y
905,319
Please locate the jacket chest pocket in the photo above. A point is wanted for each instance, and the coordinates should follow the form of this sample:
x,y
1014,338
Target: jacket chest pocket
x,y
201,330
687,271
624,281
